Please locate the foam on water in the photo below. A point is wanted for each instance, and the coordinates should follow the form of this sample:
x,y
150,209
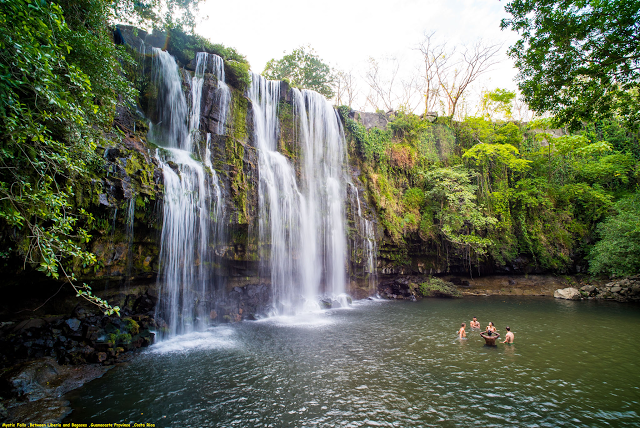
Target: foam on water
x,y
213,338
304,319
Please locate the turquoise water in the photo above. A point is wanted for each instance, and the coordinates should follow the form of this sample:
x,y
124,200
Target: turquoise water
x,y
385,363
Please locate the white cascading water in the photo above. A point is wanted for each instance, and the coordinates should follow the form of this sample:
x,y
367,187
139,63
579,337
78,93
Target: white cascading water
x,y
279,200
214,64
224,93
365,241
131,211
184,254
301,228
323,223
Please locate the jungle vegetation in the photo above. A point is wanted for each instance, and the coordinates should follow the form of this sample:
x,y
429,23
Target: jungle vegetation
x,y
61,77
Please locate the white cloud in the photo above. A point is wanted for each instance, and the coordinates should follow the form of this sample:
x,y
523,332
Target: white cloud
x,y
345,33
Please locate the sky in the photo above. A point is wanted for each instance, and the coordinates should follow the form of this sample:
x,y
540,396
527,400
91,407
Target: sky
x,y
345,33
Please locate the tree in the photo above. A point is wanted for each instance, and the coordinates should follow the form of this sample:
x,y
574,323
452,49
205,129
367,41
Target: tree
x,y
388,90
434,56
498,101
61,77
461,220
455,76
346,88
304,69
618,252
579,60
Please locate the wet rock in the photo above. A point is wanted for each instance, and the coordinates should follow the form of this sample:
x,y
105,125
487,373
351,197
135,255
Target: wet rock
x,y
91,332
73,323
616,289
569,293
104,200
29,324
589,289
335,304
325,303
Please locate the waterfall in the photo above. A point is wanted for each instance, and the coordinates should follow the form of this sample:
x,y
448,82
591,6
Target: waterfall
x,y
323,224
212,63
369,247
131,210
279,199
301,225
189,192
184,241
172,130
224,93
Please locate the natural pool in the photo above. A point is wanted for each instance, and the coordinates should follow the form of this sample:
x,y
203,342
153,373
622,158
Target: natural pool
x,y
383,363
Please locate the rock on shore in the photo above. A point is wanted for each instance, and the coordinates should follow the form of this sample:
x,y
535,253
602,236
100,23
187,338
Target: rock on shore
x,y
569,293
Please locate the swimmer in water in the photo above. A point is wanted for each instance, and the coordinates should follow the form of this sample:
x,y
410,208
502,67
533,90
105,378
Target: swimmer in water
x,y
475,323
462,333
491,327
509,337
490,337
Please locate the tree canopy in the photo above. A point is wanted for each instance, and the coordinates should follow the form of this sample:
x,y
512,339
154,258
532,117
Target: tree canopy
x,y
304,69
61,77
579,60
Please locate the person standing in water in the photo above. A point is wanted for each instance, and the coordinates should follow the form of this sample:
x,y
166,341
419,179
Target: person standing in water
x,y
475,323
491,327
509,337
490,337
462,333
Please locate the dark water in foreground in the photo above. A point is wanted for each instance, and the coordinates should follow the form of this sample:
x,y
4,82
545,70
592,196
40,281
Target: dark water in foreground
x,y
388,364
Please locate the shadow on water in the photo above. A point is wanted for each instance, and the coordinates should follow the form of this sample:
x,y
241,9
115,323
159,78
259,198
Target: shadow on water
x,y
387,364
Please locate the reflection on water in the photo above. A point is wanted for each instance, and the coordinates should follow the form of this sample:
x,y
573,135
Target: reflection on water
x,y
387,364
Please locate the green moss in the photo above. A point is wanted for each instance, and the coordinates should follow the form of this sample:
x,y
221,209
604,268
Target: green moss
x,y
117,338
287,144
234,153
132,327
237,74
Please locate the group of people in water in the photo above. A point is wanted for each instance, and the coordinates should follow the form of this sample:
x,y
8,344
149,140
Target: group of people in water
x,y
490,335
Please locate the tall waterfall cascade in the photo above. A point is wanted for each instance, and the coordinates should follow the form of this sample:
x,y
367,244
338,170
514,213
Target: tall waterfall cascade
x,y
301,221
301,224
190,192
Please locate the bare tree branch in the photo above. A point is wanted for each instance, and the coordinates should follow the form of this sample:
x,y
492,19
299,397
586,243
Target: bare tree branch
x,y
455,78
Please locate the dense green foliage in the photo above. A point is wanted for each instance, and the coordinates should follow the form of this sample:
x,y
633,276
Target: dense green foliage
x,y
303,69
497,191
578,59
61,77
437,287
618,253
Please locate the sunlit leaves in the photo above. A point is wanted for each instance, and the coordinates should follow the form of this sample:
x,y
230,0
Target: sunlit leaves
x,y
618,252
578,60
303,69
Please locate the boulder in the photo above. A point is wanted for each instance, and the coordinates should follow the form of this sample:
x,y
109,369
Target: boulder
x,y
588,289
616,289
73,323
569,293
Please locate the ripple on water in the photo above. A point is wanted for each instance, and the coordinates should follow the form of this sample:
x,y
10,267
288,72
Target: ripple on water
x,y
384,364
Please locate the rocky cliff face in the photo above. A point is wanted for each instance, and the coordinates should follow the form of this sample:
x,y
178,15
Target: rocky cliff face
x,y
127,198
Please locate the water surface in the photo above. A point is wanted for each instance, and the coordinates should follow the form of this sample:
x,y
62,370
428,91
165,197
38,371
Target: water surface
x,y
384,363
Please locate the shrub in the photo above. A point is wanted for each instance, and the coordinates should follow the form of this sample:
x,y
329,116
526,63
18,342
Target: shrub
x,y
436,287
